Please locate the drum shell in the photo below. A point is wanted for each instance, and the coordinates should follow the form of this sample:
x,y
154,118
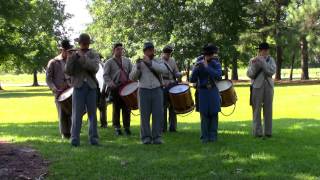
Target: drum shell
x,y
182,102
131,100
228,96
65,101
66,105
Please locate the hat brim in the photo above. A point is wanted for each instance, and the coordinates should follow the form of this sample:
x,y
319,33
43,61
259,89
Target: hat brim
x,y
78,41
263,48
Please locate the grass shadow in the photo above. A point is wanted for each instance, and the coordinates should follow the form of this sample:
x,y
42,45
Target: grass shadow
x,y
290,154
25,93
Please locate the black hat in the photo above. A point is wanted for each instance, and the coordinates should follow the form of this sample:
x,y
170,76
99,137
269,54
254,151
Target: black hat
x,y
84,38
148,45
209,49
167,49
118,44
65,44
263,45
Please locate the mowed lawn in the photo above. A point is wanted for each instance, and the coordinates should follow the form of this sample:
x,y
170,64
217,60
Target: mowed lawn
x,y
28,117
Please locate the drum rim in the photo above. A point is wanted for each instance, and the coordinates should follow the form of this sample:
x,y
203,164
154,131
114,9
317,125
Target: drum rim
x,y
185,111
69,89
227,80
182,91
121,94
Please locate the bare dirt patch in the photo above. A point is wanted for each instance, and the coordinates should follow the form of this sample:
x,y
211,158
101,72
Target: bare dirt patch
x,y
18,162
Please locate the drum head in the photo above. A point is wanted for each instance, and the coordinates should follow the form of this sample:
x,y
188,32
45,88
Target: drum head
x,y
129,89
99,76
223,85
65,95
180,88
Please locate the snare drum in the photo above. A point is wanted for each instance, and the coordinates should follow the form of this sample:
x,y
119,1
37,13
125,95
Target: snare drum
x,y
227,93
129,95
65,100
181,99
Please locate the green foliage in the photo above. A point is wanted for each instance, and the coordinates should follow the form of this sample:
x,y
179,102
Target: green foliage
x,y
187,25
29,32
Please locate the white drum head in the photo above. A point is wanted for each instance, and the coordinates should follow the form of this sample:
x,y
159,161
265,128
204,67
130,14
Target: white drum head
x,y
65,95
223,85
99,76
180,88
129,89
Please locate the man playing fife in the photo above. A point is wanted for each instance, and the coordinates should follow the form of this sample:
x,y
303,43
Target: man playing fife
x,y
260,71
148,72
82,65
204,74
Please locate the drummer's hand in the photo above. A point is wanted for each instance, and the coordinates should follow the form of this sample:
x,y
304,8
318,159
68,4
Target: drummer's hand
x,y
56,91
112,85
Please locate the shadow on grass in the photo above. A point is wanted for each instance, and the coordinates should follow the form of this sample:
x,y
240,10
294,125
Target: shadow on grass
x,y
25,93
291,153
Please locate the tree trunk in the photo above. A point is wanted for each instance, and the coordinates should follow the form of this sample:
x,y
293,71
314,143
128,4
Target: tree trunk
x,y
292,65
304,58
278,44
279,62
35,78
188,70
226,75
234,75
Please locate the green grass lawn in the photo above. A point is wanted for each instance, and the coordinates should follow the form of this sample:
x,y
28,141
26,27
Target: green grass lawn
x,y
28,117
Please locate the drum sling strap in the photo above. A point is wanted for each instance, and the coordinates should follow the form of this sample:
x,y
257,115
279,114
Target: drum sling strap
x,y
170,70
154,73
121,68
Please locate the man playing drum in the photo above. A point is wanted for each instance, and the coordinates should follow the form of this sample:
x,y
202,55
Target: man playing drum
x,y
260,71
169,79
82,65
57,81
148,71
204,74
116,75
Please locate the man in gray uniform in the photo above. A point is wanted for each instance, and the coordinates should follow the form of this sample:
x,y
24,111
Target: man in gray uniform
x,y
116,74
148,72
82,65
169,80
260,71
57,81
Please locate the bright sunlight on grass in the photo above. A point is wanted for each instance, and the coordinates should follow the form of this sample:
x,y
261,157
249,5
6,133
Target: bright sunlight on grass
x,y
28,117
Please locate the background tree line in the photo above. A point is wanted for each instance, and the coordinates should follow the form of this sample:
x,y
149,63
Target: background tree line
x,y
30,30
236,26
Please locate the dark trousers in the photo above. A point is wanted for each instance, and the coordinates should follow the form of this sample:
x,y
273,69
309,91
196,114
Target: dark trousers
x,y
172,115
64,121
84,98
103,110
209,127
117,105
